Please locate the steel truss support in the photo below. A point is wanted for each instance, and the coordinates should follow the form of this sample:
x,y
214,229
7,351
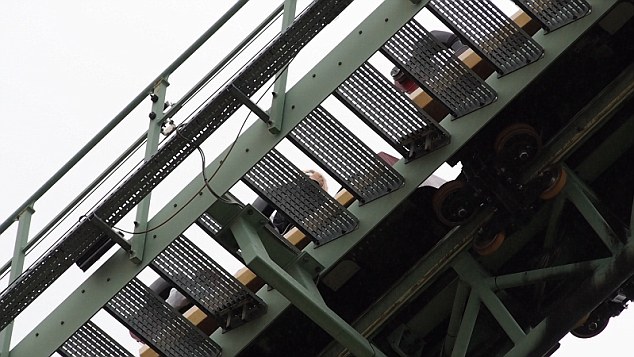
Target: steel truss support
x,y
151,146
295,282
588,205
482,290
474,275
189,203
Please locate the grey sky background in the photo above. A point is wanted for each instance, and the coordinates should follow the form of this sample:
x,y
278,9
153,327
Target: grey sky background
x,y
68,67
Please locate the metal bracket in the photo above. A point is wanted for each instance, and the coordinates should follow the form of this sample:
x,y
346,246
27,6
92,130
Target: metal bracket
x,y
293,281
247,101
404,343
110,233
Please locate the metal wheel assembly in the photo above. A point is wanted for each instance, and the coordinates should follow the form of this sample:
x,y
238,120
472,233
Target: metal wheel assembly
x,y
517,145
557,181
453,203
592,326
486,245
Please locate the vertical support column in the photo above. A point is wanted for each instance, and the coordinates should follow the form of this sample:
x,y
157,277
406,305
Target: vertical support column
x,y
17,265
257,258
154,131
279,89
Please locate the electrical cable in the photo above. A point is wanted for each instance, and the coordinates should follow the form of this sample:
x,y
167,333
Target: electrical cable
x,y
205,179
136,166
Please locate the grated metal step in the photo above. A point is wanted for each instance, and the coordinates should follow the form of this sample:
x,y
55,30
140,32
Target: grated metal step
x,y
488,32
331,145
435,68
553,14
160,326
90,340
84,238
207,284
390,113
308,207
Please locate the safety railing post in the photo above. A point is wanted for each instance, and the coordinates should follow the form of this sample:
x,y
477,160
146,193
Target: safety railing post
x,y
17,265
137,241
276,116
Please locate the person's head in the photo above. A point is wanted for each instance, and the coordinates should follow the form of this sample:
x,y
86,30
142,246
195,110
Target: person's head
x,y
317,177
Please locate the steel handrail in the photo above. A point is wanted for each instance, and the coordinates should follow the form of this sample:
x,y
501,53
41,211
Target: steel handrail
x,y
122,115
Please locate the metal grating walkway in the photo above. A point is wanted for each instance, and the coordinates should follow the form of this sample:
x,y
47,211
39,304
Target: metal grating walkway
x,y
435,68
158,324
344,156
211,287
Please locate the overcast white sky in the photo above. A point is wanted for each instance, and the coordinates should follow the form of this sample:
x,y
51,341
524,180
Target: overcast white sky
x,y
68,67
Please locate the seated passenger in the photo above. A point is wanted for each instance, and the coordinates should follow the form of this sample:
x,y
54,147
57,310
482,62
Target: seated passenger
x,y
281,223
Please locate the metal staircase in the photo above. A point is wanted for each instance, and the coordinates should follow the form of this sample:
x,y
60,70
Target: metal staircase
x,y
345,74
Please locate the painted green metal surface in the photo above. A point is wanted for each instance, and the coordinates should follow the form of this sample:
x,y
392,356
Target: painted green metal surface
x,y
17,266
582,197
138,240
301,99
279,89
296,284
474,275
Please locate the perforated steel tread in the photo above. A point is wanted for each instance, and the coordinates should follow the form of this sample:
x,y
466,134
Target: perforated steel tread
x,y
344,156
208,224
488,32
435,68
553,14
308,207
39,276
265,65
390,113
160,326
90,340
211,287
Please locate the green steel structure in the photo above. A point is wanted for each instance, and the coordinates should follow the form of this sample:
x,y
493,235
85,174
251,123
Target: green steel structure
x,y
530,242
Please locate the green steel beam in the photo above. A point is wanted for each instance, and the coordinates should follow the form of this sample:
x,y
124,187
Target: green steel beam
x,y
586,202
421,275
254,143
455,319
279,89
473,274
138,240
533,276
592,292
193,200
553,221
466,327
300,290
17,265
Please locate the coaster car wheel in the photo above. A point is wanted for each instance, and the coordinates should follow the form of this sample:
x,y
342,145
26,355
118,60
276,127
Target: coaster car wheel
x,y
486,245
556,183
517,145
453,203
592,326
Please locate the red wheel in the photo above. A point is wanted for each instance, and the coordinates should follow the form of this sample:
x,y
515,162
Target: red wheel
x,y
557,183
517,145
484,246
453,203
